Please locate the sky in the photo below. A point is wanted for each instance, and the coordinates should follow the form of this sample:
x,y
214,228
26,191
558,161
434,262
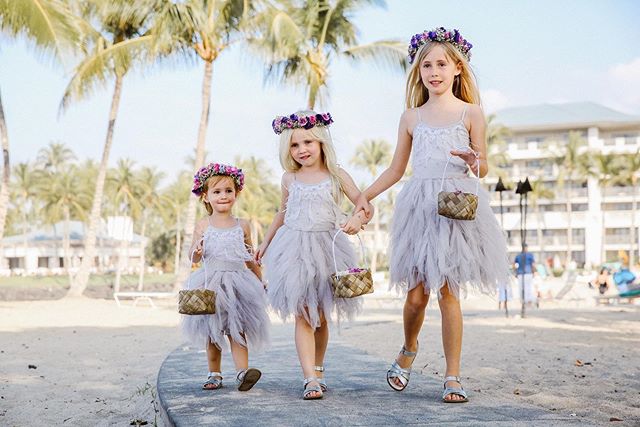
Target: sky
x,y
524,53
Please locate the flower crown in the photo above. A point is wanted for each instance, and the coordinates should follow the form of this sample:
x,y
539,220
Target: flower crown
x,y
442,35
281,123
213,169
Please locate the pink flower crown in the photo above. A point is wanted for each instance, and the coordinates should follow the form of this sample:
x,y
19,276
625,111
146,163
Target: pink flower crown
x,y
213,169
442,35
280,123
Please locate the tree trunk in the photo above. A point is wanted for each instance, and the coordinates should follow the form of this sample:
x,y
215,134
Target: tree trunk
x,y
634,208
143,249
66,244
6,171
79,283
190,222
569,231
176,259
539,234
124,249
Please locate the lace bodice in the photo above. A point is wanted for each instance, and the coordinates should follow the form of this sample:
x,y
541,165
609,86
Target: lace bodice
x,y
431,148
225,244
311,207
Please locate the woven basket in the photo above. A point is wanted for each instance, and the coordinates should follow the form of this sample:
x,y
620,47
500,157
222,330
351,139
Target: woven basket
x,y
197,301
457,205
353,282
349,285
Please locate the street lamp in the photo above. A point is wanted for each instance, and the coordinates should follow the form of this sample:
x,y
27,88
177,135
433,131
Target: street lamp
x,y
500,187
522,189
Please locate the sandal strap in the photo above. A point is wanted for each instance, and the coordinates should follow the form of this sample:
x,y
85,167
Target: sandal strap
x,y
454,390
318,368
214,374
408,353
308,380
452,378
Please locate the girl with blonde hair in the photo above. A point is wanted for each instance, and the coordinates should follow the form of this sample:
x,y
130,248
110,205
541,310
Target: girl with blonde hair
x,y
443,129
298,246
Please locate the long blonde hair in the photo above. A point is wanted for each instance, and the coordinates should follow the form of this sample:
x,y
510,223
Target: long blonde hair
x,y
464,84
328,153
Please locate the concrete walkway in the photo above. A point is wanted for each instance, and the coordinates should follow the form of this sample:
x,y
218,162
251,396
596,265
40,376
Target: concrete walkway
x,y
358,395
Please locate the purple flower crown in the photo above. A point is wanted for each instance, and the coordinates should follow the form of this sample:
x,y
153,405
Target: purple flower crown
x,y
442,35
280,123
213,169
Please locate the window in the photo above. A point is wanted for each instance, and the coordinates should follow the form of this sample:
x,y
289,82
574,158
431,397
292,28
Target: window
x,y
15,262
43,262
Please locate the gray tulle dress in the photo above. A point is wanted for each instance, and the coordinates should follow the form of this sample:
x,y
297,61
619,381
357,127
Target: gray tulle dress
x,y
241,302
299,260
430,249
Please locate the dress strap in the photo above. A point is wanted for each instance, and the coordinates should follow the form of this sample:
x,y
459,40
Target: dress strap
x,y
464,112
419,118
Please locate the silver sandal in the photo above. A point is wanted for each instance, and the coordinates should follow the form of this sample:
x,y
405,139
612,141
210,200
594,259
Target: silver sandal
x,y
321,381
306,394
402,374
458,391
214,379
247,378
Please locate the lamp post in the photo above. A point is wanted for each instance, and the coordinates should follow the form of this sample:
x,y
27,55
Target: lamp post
x,y
522,189
500,187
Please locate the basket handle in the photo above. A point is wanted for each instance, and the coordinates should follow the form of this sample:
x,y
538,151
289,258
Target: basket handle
x,y
333,249
191,262
445,171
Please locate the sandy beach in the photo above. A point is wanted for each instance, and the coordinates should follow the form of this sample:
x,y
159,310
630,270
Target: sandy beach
x,y
89,362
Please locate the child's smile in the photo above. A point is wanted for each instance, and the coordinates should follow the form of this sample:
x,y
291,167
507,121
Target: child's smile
x,y
304,148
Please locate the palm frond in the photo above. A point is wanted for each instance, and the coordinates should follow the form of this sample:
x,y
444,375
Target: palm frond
x,y
390,54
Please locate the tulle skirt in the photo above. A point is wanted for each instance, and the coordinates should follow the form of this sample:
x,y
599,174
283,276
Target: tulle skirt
x,y
298,267
241,310
429,249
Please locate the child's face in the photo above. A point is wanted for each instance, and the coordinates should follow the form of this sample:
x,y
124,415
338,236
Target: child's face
x,y
221,195
304,148
438,71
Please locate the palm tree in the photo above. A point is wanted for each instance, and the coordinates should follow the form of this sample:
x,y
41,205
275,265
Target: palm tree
x,y
55,157
24,191
122,184
117,44
573,167
300,39
259,201
150,200
497,144
539,192
50,27
64,198
178,195
371,155
204,29
604,167
630,174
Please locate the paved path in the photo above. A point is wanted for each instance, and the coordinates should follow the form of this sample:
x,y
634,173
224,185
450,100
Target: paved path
x,y
358,395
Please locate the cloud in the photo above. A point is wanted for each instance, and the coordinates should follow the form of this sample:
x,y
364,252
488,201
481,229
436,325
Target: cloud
x,y
493,100
624,86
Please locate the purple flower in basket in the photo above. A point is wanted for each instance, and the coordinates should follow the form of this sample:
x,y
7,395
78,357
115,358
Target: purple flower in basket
x,y
356,270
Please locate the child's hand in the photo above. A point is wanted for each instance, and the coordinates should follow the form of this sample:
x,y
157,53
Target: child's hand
x,y
470,157
353,225
260,252
197,251
362,204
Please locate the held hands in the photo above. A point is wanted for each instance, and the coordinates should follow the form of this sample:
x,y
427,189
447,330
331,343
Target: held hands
x,y
260,252
362,204
470,157
353,224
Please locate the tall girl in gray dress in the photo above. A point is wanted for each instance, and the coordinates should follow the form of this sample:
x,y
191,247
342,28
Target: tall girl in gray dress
x,y
223,244
297,248
443,130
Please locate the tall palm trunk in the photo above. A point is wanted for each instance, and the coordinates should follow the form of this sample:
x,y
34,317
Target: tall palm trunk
x,y
190,221
6,171
176,258
634,208
66,244
124,250
569,231
143,249
79,283
540,220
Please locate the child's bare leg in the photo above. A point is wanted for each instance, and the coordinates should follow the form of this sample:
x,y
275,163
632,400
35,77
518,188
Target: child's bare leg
x,y
240,354
306,348
451,336
413,317
321,337
214,359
